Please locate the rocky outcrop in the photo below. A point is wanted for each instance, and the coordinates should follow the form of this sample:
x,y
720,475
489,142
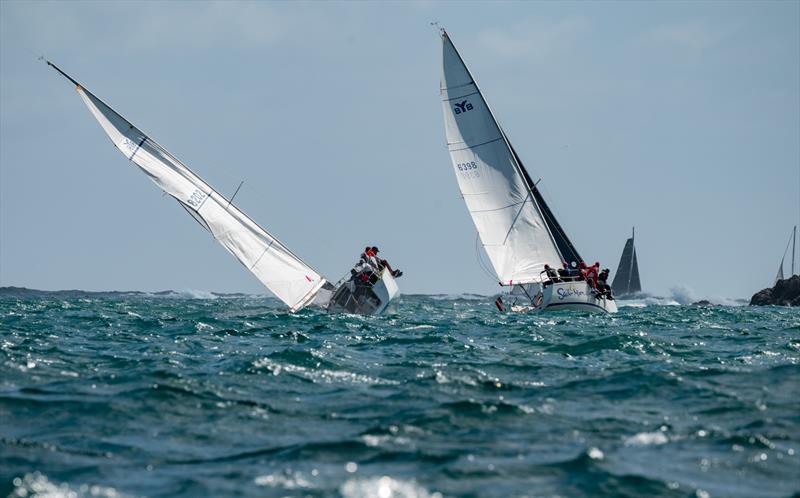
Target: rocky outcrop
x,y
785,293
702,302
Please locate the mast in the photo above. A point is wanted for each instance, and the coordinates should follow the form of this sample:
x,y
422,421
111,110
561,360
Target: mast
x,y
633,257
564,246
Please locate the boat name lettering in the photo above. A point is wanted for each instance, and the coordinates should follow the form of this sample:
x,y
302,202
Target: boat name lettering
x,y
464,106
564,293
197,198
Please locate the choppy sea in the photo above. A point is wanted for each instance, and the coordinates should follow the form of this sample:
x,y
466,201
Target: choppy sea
x,y
115,395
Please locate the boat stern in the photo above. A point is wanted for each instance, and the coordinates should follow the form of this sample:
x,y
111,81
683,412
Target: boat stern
x,y
577,296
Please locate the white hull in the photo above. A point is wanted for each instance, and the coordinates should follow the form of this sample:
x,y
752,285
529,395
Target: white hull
x,y
386,289
576,296
353,297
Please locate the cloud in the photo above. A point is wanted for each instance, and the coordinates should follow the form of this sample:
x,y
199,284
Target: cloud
x,y
153,26
692,36
534,38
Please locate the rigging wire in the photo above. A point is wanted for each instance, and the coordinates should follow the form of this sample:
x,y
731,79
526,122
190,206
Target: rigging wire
x,y
785,251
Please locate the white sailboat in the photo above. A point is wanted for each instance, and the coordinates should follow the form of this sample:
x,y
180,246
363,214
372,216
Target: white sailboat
x,y
280,270
518,231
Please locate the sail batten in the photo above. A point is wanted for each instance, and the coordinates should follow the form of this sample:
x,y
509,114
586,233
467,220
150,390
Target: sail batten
x,y
279,269
515,226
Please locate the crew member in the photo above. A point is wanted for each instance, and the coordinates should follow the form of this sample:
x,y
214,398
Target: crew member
x,y
552,275
563,272
590,274
602,285
381,263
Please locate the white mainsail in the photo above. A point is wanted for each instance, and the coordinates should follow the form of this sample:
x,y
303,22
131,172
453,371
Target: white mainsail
x,y
509,221
281,271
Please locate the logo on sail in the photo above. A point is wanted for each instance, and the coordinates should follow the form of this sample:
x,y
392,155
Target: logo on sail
x,y
464,106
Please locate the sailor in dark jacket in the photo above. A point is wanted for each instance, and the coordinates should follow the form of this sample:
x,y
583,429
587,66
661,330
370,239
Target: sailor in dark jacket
x,y
602,285
552,274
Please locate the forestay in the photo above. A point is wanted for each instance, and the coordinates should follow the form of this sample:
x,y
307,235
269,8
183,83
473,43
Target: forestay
x,y
280,270
502,204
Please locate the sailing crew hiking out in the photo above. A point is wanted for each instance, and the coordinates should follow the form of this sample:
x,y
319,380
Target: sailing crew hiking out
x,y
280,270
369,266
589,274
371,283
603,289
370,254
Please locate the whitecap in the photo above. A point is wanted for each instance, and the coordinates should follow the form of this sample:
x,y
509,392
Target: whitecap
x,y
419,327
320,375
647,439
384,487
595,453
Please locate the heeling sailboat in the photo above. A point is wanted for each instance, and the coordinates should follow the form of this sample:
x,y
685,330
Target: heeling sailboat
x,y
280,270
517,229
626,280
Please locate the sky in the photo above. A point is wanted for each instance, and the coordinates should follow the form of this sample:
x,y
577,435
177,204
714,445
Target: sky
x,y
679,118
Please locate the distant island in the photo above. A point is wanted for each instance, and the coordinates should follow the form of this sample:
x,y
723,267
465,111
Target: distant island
x,y
24,292
786,292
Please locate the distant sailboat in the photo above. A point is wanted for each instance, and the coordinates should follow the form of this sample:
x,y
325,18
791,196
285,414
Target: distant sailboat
x,y
280,270
517,229
792,242
626,280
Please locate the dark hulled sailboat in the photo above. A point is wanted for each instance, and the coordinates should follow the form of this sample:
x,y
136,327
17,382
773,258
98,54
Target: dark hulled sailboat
x,y
626,280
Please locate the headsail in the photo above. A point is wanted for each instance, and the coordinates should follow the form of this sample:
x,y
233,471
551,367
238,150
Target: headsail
x,y
517,229
779,276
281,271
626,280
792,242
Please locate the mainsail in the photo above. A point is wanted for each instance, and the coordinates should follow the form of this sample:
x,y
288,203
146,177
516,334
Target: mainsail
x,y
517,229
626,280
281,271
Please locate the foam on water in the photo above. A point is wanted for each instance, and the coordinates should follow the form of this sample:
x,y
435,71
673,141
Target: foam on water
x,y
37,485
384,487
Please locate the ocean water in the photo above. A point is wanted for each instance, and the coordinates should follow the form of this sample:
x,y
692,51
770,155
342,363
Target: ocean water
x,y
140,395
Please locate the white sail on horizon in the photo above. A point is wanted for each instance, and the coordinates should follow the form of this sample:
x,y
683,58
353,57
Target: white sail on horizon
x,y
792,242
281,271
510,224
